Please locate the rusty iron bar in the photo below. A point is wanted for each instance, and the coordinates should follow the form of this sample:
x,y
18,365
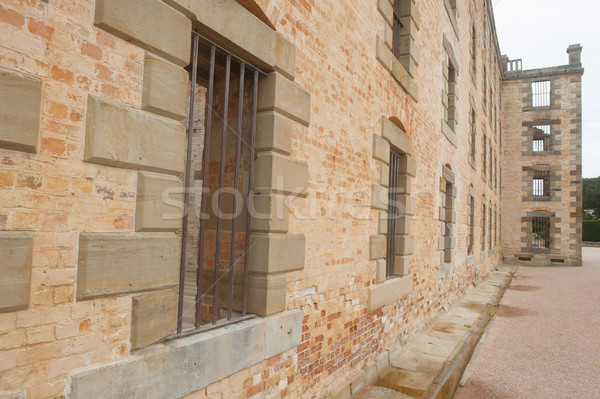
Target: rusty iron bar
x,y
250,189
392,213
219,192
186,177
206,158
238,149
208,327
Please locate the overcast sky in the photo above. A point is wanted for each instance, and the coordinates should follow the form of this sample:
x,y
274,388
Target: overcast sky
x,y
539,32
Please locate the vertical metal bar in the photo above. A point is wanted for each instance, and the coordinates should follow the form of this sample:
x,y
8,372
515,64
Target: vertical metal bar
x,y
206,159
238,148
219,193
186,177
390,219
395,225
250,188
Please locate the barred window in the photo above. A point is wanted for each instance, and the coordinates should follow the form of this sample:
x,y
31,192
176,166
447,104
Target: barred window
x,y
541,138
396,29
483,224
471,224
541,186
540,232
541,93
473,141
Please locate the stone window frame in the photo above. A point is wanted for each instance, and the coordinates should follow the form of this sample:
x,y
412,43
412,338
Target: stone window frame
x,y
490,225
282,104
450,73
553,183
554,141
483,226
490,179
484,156
384,290
526,230
447,218
473,47
403,69
471,223
555,90
473,135
451,7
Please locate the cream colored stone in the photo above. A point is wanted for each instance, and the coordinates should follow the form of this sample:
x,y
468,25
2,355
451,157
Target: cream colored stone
x,y
153,318
151,24
379,197
15,272
383,53
276,253
273,132
405,245
159,203
396,137
269,213
128,138
20,102
390,291
381,149
266,294
117,263
165,89
278,93
274,172
377,247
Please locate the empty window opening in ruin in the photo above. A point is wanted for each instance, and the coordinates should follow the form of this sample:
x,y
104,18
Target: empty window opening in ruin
x,y
541,93
541,138
394,191
540,232
541,186
218,179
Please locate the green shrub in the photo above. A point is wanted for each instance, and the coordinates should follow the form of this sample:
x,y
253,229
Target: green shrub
x,y
591,230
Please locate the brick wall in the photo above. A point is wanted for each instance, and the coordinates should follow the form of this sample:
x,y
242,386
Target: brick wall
x,y
57,196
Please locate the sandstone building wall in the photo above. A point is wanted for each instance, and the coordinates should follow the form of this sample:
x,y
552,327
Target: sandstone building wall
x,y
561,159
93,102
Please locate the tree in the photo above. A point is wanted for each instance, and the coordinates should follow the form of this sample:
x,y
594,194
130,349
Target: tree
x,y
591,197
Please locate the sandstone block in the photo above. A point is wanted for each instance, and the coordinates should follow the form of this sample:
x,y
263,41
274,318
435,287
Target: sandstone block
x,y
165,88
20,102
269,213
151,24
153,318
278,93
276,172
377,247
390,291
15,274
159,203
118,263
397,138
273,132
266,294
276,253
128,138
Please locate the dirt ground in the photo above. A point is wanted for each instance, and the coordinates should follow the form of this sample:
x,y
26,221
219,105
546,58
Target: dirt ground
x,y
545,339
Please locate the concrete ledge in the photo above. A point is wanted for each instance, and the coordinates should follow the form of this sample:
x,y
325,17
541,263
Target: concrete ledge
x,y
153,318
159,203
151,24
390,291
129,138
278,93
118,263
165,88
20,102
15,271
183,366
276,253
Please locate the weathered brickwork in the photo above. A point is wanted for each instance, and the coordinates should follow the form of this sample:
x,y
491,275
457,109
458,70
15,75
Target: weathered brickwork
x,y
102,148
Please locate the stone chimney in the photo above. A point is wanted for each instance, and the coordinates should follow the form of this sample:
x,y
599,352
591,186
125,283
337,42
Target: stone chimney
x,y
574,52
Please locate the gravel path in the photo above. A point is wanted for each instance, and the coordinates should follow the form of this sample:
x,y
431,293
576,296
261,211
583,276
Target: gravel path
x,y
545,339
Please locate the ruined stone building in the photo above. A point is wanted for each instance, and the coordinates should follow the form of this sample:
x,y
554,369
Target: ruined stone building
x,y
259,198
